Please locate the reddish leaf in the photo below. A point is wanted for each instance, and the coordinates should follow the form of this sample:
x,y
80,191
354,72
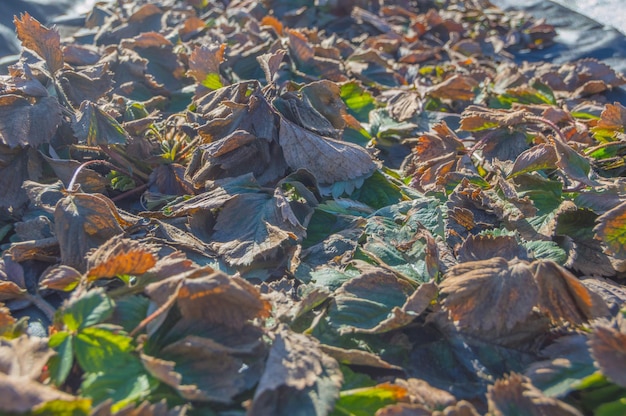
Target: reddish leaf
x,y
120,256
45,42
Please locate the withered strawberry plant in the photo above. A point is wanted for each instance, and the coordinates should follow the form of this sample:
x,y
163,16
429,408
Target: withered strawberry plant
x,y
321,208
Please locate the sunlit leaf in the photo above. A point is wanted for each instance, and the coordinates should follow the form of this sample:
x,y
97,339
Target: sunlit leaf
x,y
120,256
45,42
89,309
490,294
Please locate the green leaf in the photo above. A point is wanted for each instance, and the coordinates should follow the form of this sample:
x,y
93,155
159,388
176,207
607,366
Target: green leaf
x,y
78,407
366,401
90,309
61,364
572,163
548,250
98,349
358,101
212,81
122,384
130,311
365,301
378,191
617,407
95,127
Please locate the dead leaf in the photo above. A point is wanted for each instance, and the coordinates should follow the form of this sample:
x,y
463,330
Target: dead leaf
x,y
270,62
298,377
608,348
563,296
24,357
120,256
28,122
83,222
490,294
43,41
21,395
456,87
327,159
61,277
515,394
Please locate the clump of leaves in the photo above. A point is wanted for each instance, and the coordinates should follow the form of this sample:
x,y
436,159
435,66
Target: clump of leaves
x,y
288,207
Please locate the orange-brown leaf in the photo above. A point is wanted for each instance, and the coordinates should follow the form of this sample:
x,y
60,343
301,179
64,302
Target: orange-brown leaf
x,y
43,41
120,256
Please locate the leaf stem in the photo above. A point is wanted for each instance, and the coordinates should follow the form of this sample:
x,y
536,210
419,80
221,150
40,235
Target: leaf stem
x,y
72,183
43,305
553,126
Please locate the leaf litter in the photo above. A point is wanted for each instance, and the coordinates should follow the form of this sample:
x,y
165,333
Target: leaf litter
x,y
286,207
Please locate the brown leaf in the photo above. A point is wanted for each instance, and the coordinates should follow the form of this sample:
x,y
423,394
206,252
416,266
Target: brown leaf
x,y
563,296
38,38
490,294
456,87
120,256
206,60
86,85
83,222
462,408
421,392
21,395
24,357
608,348
298,376
61,277
541,156
12,283
270,62
476,118
485,247
404,409
90,181
357,357
212,297
515,394
327,159
28,122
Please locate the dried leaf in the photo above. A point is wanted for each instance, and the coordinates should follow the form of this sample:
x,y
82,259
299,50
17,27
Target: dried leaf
x,y
270,62
457,87
120,256
515,394
298,377
608,348
490,294
61,277
24,357
83,222
328,159
563,296
43,41
21,395
24,122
